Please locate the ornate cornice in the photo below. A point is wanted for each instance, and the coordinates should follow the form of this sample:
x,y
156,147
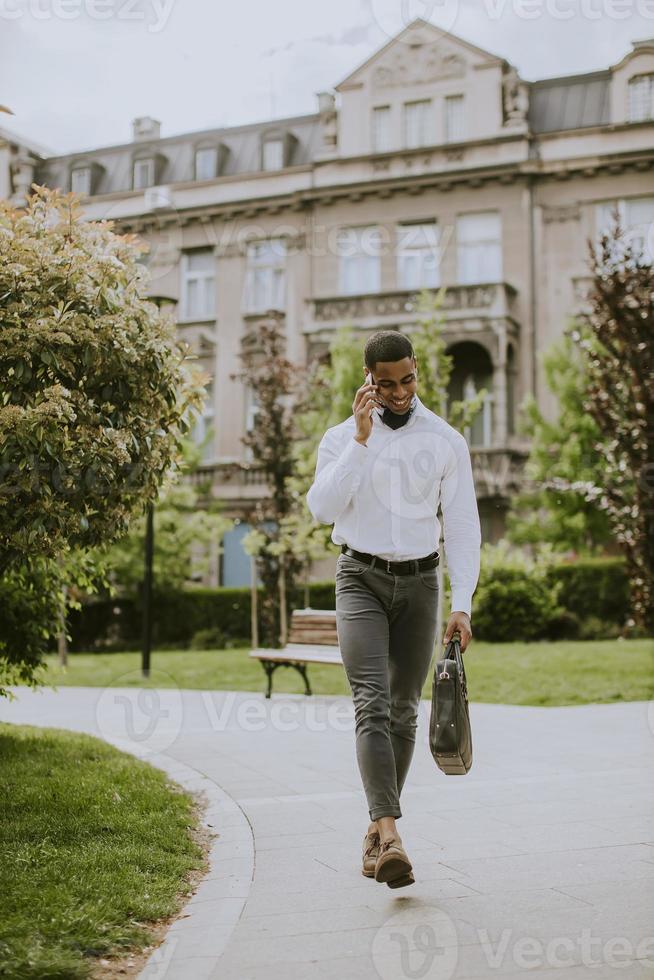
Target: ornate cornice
x,y
382,185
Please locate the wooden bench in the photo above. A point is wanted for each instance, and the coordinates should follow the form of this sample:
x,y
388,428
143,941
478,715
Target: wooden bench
x,y
312,640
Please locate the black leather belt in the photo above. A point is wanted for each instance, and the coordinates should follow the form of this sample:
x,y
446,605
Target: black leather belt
x,y
407,567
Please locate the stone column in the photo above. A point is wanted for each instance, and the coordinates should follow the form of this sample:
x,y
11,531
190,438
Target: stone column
x,y
500,388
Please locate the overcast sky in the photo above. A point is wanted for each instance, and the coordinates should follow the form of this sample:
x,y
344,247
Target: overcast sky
x,y
76,72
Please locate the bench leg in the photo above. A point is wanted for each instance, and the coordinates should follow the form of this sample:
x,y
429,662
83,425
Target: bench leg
x,y
302,669
270,666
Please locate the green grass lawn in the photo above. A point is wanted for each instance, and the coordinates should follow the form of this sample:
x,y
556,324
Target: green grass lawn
x,y
95,845
566,672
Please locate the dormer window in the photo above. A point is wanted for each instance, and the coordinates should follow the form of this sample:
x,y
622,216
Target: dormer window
x,y
80,180
381,129
144,173
454,120
641,98
273,154
206,160
419,124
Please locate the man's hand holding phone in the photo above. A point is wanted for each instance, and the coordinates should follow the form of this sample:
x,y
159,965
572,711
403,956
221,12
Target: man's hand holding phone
x,y
365,400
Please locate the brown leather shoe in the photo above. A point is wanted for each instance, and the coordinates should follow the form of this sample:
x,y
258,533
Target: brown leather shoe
x,y
393,865
370,852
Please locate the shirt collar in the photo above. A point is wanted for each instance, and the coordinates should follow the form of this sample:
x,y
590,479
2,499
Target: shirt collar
x,y
418,409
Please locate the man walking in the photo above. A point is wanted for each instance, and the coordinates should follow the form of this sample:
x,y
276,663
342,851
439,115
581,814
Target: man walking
x,y
380,476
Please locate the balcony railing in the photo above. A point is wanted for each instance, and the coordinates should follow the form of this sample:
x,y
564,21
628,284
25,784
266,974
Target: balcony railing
x,y
230,480
497,472
460,301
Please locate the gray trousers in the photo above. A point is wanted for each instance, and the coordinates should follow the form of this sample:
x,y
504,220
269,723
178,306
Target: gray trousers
x,y
386,629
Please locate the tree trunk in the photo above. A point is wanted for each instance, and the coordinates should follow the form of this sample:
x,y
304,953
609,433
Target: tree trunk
x,y
62,639
254,609
282,602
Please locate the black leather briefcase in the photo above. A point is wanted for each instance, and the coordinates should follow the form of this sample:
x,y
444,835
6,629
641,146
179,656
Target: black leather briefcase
x,y
450,735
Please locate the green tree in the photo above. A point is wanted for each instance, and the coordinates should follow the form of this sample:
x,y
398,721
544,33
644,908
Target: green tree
x,y
563,453
188,526
275,379
616,337
95,390
435,365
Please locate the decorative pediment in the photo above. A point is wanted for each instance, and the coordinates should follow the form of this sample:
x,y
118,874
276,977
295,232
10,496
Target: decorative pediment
x,y
421,53
413,66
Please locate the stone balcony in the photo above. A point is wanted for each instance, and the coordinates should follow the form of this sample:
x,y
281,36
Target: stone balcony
x,y
231,481
469,307
498,474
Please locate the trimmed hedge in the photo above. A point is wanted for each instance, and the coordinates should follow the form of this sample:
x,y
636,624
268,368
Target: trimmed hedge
x,y
115,624
593,600
594,587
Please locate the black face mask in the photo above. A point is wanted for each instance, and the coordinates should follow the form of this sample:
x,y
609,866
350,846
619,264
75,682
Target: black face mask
x,y
395,420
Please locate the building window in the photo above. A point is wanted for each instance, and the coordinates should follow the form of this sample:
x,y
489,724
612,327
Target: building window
x,y
472,372
418,124
143,173
381,129
359,251
198,284
273,154
418,255
205,163
454,123
80,181
252,408
641,98
479,247
636,216
265,287
203,428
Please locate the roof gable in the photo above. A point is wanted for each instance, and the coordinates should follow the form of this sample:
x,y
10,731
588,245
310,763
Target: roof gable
x,y
421,52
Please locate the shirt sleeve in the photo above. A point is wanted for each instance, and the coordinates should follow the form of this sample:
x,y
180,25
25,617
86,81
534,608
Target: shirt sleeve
x,y
338,475
462,528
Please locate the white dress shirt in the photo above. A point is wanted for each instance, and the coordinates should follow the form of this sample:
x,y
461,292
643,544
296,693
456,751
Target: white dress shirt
x,y
382,498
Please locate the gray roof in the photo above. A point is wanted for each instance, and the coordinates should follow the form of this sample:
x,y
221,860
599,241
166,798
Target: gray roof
x,y
569,102
243,145
564,103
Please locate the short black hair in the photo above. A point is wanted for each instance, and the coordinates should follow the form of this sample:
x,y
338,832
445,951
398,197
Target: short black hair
x,y
386,345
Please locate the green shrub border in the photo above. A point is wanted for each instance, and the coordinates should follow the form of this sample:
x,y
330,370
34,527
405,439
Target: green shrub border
x,y
595,590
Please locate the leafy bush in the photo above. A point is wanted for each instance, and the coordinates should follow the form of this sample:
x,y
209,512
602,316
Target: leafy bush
x,y
96,385
178,617
515,599
565,625
595,628
594,587
208,639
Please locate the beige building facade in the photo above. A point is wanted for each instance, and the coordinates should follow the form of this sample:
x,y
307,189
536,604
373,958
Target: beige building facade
x,y
432,164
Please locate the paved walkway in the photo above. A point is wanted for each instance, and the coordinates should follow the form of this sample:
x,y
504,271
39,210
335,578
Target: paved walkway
x,y
539,860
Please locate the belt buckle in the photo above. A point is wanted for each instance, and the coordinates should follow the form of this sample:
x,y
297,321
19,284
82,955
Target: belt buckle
x,y
388,564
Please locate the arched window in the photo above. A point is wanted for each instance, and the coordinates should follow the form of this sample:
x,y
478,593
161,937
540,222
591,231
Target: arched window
x,y
472,370
641,97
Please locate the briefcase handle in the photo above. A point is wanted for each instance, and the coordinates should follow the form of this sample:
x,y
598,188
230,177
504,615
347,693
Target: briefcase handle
x,y
455,645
